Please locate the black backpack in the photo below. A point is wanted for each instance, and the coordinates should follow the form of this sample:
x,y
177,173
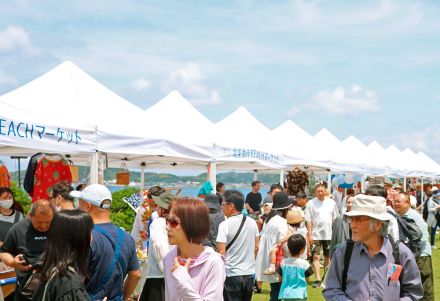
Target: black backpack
x,y
349,251
409,233
425,210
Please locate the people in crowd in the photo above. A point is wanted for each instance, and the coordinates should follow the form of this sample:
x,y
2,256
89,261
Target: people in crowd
x,y
301,201
113,264
8,215
351,275
220,191
294,220
274,228
433,212
205,190
60,196
274,188
146,214
341,231
337,196
215,218
154,287
254,198
402,205
237,240
24,244
294,270
320,214
192,271
393,226
65,259
350,193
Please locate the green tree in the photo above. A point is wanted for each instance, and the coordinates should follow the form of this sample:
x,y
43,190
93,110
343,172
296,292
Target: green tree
x,y
120,213
21,197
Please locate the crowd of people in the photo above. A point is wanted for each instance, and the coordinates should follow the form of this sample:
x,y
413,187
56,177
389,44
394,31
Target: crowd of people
x,y
222,245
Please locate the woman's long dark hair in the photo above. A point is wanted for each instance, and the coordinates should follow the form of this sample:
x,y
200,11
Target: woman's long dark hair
x,y
68,243
280,212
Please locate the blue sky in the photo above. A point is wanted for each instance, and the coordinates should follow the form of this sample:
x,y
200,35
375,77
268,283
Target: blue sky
x,y
368,68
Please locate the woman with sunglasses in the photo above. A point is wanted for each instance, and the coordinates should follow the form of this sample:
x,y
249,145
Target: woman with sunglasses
x,y
192,271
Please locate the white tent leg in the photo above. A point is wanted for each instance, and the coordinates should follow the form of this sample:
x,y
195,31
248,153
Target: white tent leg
x,y
282,177
422,192
94,169
142,180
404,184
212,173
329,182
255,175
363,179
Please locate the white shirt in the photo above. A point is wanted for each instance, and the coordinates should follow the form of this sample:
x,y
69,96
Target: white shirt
x,y
321,214
240,258
158,247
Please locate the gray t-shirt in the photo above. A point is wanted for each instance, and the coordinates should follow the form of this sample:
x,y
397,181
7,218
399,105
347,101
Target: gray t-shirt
x,y
240,258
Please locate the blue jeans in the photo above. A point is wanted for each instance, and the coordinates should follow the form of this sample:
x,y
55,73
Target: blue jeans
x,y
274,291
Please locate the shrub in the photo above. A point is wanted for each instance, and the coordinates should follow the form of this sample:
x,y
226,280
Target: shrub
x,y
120,213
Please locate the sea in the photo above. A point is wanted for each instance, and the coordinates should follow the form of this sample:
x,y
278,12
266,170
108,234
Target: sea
x,y
192,191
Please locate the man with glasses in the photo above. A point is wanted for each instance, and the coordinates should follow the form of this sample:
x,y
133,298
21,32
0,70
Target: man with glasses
x,y
372,267
402,206
237,240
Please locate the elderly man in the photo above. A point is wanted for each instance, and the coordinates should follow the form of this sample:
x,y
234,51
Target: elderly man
x,y
320,214
373,267
402,205
28,238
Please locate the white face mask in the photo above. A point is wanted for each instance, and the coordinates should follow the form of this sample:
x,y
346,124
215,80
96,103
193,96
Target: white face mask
x,y
6,203
58,208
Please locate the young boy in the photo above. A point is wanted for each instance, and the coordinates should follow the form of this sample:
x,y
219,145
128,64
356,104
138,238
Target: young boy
x,y
296,226
294,270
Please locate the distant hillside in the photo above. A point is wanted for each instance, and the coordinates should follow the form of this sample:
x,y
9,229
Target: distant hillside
x,y
151,177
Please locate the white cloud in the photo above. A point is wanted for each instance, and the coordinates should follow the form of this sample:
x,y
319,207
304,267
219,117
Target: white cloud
x,y
15,38
426,139
294,110
189,80
342,101
141,84
6,79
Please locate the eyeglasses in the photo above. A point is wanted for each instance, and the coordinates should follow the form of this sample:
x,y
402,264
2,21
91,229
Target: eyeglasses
x,y
173,221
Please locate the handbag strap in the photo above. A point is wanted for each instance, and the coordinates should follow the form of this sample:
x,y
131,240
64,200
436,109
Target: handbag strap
x,y
228,246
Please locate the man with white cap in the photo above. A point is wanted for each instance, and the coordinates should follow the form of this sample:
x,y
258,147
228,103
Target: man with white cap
x,y
372,267
113,253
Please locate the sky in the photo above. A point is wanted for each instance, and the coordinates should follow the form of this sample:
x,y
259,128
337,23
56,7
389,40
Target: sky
x,y
367,68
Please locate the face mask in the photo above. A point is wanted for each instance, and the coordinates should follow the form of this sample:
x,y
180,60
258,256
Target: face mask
x,y
6,204
58,208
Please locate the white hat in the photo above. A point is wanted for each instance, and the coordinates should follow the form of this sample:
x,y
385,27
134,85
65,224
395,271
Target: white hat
x,y
94,194
368,205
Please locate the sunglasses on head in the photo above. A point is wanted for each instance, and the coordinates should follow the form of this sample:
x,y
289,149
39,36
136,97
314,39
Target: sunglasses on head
x,y
173,221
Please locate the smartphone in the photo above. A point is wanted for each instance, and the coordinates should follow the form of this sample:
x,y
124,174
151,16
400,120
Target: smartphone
x,y
25,259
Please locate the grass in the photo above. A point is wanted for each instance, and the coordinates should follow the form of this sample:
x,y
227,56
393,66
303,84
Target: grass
x,y
315,294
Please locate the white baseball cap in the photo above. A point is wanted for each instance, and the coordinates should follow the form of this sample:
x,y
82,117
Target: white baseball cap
x,y
94,194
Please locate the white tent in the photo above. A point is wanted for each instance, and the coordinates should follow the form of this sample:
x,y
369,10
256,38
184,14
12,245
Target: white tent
x,y
297,146
243,142
430,165
329,149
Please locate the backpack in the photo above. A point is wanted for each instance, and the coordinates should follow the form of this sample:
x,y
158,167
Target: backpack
x,y
349,251
409,233
425,210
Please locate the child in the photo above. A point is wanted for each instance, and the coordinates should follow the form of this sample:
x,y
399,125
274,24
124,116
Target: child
x,y
294,270
295,220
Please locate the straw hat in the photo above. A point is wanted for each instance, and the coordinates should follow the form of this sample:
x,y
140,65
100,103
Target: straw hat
x,y
294,217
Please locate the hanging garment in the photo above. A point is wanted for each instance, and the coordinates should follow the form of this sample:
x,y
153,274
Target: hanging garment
x,y
5,179
297,180
50,170
28,182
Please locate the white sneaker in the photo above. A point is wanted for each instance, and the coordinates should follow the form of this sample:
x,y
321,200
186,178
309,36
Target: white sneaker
x,y
433,247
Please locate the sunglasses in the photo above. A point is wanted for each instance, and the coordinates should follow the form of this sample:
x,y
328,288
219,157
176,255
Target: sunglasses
x,y
173,221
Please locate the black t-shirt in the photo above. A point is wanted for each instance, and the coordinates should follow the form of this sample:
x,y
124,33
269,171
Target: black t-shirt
x,y
254,200
22,238
101,255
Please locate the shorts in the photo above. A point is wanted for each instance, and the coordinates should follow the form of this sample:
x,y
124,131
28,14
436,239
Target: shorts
x,y
316,247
